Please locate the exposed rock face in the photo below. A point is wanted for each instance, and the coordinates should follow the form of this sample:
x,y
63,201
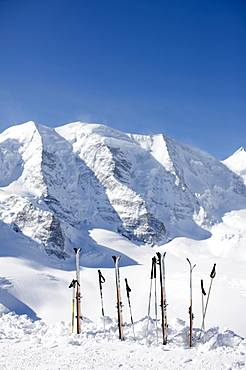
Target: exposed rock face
x,y
148,188
41,226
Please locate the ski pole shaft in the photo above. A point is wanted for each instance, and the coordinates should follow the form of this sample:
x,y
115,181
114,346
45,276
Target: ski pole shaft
x,y
212,275
152,275
156,323
101,281
203,294
128,290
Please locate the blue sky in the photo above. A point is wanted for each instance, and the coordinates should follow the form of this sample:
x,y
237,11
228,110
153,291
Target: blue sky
x,y
176,67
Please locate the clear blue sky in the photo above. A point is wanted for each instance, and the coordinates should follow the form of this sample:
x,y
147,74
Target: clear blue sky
x,y
176,67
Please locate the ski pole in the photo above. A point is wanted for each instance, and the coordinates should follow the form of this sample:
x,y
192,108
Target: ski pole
x,y
153,272
203,294
78,296
161,259
156,321
101,281
212,275
73,285
190,308
128,290
119,303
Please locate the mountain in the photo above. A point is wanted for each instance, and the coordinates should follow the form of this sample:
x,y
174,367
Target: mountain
x,y
56,184
237,163
112,193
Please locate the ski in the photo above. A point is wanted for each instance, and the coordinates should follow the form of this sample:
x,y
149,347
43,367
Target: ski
x,y
101,281
119,303
190,308
78,294
128,290
161,262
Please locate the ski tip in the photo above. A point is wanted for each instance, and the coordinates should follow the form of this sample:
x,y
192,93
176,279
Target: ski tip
x,y
116,258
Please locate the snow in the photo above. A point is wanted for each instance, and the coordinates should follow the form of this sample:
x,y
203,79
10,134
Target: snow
x,y
37,284
237,163
202,202
36,345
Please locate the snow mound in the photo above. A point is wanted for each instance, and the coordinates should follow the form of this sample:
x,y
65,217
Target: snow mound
x,y
36,345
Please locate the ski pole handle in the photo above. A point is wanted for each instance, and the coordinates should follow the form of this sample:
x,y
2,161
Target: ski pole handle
x,y
203,291
101,278
213,272
153,268
128,289
73,283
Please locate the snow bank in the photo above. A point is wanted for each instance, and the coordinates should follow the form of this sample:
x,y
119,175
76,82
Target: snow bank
x,y
30,344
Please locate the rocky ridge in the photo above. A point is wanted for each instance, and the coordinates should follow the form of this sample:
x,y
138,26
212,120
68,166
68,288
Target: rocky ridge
x,y
57,182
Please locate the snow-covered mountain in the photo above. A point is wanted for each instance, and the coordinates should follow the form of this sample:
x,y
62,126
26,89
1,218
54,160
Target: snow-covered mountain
x,y
237,163
111,193
55,184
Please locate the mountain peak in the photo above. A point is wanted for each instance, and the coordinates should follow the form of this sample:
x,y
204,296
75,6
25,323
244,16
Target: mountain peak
x,y
150,189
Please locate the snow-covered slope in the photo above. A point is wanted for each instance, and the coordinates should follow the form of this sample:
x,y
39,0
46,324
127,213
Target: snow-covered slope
x,y
150,189
237,163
